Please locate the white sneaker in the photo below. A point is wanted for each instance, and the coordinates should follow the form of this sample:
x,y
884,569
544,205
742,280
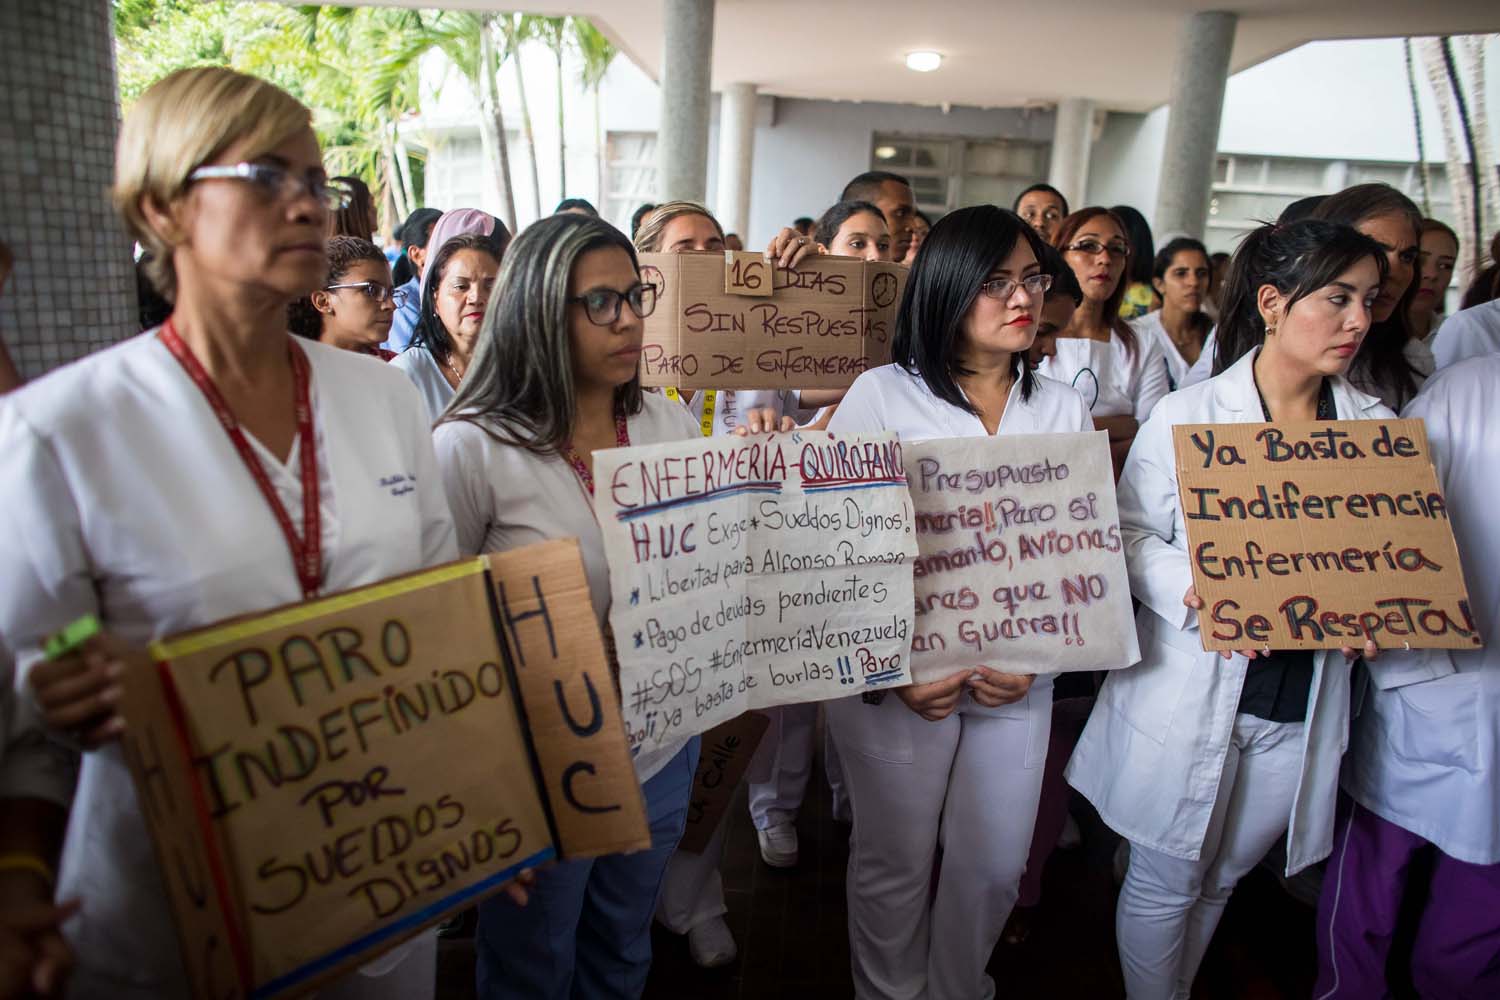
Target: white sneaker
x,y
778,845
711,944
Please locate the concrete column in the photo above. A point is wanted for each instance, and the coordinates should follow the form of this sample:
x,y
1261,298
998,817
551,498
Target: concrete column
x,y
73,287
687,64
736,154
1198,80
1072,139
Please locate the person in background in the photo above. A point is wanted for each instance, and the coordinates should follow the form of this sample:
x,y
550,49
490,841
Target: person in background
x,y
353,309
732,241
1180,275
953,764
1043,208
1218,264
358,218
578,206
803,225
920,227
639,216
1140,296
891,193
265,450
1391,364
518,468
1118,374
1435,262
456,288
415,232
854,229
1201,759
1416,834
1475,329
1486,284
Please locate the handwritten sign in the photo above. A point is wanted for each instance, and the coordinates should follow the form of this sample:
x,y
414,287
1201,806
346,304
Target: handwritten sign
x,y
324,780
751,572
736,321
1021,566
1319,535
727,750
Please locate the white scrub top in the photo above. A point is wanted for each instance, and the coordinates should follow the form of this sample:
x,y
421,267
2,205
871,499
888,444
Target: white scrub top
x,y
1468,333
1149,327
1113,380
125,498
504,496
1426,755
418,364
731,405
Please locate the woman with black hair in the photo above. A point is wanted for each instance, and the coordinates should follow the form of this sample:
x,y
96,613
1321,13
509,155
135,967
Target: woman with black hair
x,y
456,288
1475,329
855,229
353,308
921,225
1140,296
1180,275
956,762
1202,763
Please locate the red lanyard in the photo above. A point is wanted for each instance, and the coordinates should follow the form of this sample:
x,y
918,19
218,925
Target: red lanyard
x,y
307,552
622,439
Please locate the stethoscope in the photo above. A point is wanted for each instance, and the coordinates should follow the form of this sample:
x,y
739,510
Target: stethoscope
x,y
1094,378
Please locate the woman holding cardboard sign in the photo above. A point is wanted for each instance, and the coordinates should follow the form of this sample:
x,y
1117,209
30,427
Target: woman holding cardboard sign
x,y
1202,762
956,762
213,467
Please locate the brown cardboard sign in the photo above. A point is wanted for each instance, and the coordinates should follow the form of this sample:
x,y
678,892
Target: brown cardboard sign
x,y
1319,535
748,273
324,780
822,324
725,755
572,705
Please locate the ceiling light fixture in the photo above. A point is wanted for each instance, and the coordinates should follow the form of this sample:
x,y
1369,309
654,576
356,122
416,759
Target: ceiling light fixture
x,y
923,61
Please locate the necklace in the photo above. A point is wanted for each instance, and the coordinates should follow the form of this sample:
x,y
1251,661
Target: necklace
x,y
458,376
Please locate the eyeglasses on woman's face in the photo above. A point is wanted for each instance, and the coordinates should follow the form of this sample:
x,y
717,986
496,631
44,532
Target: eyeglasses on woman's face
x,y
374,291
1092,247
603,304
280,184
1004,288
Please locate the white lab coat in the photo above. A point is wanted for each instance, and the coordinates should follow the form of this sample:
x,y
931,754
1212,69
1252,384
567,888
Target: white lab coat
x,y
125,498
1113,380
418,364
1151,756
1468,333
1424,755
1203,368
1149,327
503,496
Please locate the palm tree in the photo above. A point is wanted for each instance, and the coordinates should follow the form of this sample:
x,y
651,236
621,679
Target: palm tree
x,y
553,33
596,53
517,29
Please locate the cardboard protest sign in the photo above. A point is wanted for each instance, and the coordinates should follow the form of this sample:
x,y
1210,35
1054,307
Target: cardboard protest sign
x,y
1318,535
750,572
324,780
727,750
1021,567
736,321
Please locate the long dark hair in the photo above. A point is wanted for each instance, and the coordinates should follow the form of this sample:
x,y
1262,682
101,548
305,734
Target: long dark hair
x,y
1296,259
961,250
1199,321
1065,234
519,387
1142,246
827,229
1381,360
1486,284
430,333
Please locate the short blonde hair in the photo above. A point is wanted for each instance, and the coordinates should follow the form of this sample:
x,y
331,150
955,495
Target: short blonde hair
x,y
181,122
648,237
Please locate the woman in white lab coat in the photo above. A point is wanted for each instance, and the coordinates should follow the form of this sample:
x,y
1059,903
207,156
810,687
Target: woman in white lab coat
x,y
214,467
1202,762
1180,275
955,763
554,379
1421,774
1119,374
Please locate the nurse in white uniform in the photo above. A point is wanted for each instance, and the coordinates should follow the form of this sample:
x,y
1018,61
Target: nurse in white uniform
x,y
554,380
1202,762
213,467
1421,773
956,763
1119,375
1180,275
456,289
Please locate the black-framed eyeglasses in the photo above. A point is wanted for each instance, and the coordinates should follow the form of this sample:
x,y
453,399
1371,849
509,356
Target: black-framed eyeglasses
x,y
1004,288
603,304
1115,248
279,183
374,291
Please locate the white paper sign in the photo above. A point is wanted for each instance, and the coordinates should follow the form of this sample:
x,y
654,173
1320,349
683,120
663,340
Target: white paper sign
x,y
751,572
1021,566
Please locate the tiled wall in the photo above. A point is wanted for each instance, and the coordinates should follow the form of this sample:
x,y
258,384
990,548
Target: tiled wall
x,y
73,287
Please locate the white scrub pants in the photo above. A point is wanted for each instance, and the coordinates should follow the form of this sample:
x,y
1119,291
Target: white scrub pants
x,y
969,783
1170,906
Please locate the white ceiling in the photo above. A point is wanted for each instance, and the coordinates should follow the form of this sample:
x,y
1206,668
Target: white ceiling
x,y
997,53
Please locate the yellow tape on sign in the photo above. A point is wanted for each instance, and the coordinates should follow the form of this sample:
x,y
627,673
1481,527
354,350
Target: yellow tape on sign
x,y
710,400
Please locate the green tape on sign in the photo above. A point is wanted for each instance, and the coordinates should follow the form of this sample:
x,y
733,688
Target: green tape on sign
x,y
71,637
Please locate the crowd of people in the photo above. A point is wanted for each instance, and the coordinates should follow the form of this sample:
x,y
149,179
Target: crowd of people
x,y
215,466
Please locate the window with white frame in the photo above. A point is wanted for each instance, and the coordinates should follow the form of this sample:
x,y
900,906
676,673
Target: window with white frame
x,y
949,173
630,176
